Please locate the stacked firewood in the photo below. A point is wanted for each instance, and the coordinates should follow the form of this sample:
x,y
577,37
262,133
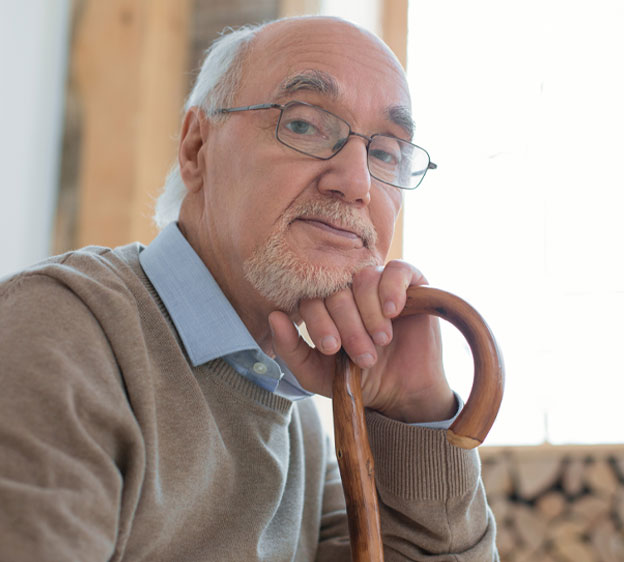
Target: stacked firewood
x,y
557,504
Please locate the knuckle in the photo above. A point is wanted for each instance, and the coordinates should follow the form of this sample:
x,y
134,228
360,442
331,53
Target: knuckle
x,y
354,343
339,300
316,318
374,322
398,270
405,270
309,305
366,277
398,264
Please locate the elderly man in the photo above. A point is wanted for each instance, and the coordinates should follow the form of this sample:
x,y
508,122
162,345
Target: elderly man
x,y
154,402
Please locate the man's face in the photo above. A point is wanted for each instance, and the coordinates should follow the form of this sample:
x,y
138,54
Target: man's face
x,y
286,221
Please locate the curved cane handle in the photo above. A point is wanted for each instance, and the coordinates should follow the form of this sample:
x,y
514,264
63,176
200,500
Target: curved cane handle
x,y
478,414
469,429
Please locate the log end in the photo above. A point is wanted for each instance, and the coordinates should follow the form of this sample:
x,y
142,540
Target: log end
x,y
461,440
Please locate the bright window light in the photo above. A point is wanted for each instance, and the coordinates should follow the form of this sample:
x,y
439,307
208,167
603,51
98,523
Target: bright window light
x,y
521,105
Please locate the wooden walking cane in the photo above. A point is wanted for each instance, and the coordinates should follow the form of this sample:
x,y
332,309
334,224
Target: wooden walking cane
x,y
467,431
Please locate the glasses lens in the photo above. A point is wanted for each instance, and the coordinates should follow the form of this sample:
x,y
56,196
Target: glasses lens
x,y
397,162
312,130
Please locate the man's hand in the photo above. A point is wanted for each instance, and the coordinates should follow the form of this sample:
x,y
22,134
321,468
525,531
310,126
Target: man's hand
x,y
401,358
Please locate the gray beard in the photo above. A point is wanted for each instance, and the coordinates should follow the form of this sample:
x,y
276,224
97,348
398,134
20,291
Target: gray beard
x,y
284,279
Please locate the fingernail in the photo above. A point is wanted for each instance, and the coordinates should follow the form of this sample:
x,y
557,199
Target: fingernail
x,y
329,343
389,308
365,360
380,338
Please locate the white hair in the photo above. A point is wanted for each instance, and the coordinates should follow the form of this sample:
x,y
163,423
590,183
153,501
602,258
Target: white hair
x,y
215,87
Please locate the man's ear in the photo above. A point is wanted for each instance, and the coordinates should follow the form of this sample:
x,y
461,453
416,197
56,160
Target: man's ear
x,y
194,128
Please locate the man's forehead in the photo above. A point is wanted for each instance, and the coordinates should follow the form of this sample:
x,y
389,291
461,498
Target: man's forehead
x,y
318,81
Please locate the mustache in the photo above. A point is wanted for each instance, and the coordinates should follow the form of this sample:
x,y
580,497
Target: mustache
x,y
334,212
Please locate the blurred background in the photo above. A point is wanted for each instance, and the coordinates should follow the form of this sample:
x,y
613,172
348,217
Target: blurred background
x,y
519,104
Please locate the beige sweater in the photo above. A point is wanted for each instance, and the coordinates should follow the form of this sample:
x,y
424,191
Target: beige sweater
x,y
112,447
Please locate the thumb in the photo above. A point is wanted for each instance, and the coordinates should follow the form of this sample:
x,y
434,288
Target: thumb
x,y
313,370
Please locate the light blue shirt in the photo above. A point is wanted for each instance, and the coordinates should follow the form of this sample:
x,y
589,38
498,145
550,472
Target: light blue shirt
x,y
208,325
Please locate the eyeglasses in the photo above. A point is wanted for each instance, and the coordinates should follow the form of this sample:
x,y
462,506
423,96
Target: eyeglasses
x,y
316,132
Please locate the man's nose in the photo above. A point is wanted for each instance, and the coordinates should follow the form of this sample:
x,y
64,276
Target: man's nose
x,y
347,175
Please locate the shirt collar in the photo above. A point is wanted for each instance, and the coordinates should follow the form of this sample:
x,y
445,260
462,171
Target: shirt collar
x,y
208,325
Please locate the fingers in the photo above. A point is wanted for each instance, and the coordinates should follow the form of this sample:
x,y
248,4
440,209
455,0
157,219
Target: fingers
x,y
321,328
336,322
354,335
397,277
314,371
363,320
366,292
359,318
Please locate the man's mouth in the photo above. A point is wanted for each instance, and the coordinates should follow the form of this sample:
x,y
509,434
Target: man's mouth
x,y
334,219
333,228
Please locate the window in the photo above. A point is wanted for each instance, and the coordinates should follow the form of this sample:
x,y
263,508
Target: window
x,y
521,106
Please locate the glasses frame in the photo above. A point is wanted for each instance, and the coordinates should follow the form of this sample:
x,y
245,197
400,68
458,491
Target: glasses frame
x,y
352,133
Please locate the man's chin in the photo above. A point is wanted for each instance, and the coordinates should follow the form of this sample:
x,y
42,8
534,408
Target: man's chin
x,y
335,260
286,286
285,273
287,279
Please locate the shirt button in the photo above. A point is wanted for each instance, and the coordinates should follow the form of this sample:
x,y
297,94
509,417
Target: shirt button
x,y
260,368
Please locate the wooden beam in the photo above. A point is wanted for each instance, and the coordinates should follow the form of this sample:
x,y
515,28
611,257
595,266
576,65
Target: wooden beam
x,y
394,33
289,8
394,27
129,66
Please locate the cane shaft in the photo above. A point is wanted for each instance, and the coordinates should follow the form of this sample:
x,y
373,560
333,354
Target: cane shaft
x,y
355,461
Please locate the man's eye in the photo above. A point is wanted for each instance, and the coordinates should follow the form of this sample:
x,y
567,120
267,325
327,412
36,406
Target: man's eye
x,y
301,127
384,157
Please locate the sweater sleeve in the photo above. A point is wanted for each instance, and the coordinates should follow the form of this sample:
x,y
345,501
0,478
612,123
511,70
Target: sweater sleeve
x,y
65,433
432,501
334,542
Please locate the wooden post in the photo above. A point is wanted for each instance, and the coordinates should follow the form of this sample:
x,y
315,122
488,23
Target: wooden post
x,y
288,8
394,33
129,65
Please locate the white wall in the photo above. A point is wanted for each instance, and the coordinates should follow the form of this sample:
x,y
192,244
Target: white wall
x,y
34,36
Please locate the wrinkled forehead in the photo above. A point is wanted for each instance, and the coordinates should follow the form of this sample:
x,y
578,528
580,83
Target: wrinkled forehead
x,y
328,56
318,81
